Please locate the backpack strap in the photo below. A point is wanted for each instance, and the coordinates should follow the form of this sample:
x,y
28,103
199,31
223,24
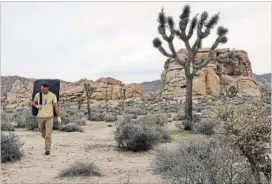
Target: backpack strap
x,y
40,98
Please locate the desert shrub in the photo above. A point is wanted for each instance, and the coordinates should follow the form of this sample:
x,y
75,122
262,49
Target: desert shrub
x,y
10,111
65,119
199,107
20,122
109,117
6,117
7,126
80,121
188,125
80,168
205,126
266,94
96,116
73,116
10,147
30,121
171,108
158,119
248,127
71,127
71,111
65,114
17,117
206,113
140,134
179,117
201,161
136,110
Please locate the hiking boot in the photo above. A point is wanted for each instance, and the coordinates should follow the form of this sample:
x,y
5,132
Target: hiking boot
x,y
47,152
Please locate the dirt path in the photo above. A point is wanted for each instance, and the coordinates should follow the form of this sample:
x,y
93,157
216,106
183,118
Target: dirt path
x,y
96,144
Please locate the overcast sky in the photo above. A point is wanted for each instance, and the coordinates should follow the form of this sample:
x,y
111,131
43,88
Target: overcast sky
x,y
74,40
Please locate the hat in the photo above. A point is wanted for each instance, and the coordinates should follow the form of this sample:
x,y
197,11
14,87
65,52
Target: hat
x,y
45,84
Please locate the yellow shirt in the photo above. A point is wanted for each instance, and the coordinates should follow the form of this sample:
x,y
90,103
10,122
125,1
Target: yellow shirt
x,y
48,100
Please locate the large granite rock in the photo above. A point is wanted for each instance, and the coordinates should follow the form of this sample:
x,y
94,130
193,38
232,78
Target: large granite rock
x,y
105,88
206,81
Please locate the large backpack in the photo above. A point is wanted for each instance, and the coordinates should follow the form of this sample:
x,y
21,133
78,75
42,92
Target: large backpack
x,y
54,87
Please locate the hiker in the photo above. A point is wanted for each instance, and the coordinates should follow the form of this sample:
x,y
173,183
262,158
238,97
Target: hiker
x,y
46,114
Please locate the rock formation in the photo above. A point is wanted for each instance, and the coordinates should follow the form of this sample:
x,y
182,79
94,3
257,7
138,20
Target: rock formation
x,y
206,81
18,90
105,88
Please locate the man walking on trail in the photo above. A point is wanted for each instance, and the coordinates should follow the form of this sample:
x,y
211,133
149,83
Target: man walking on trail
x,y
46,114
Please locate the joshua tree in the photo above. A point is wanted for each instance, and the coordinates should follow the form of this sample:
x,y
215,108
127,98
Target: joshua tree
x,y
89,89
79,100
203,28
111,92
123,96
106,95
4,102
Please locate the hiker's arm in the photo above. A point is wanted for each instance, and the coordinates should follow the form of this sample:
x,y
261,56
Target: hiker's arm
x,y
57,109
55,102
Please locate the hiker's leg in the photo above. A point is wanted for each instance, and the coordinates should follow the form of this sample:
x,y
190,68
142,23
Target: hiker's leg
x,y
48,133
41,126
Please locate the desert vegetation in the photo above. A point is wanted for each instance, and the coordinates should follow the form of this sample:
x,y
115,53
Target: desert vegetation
x,y
229,141
142,133
224,139
80,168
10,147
188,59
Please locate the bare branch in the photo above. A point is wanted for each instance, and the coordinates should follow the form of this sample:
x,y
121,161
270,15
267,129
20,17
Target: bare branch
x,y
172,48
162,50
196,44
215,44
192,27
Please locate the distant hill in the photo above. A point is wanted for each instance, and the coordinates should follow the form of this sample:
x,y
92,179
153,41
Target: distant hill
x,y
21,85
266,76
151,86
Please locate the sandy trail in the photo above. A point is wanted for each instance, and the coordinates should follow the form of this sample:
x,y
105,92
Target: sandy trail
x,y
96,144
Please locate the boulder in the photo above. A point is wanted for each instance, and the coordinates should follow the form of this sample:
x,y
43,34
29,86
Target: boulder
x,y
206,81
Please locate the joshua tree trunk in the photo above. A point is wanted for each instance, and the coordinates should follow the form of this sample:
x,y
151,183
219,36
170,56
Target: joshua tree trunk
x,y
88,108
4,102
220,75
106,96
88,90
189,103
